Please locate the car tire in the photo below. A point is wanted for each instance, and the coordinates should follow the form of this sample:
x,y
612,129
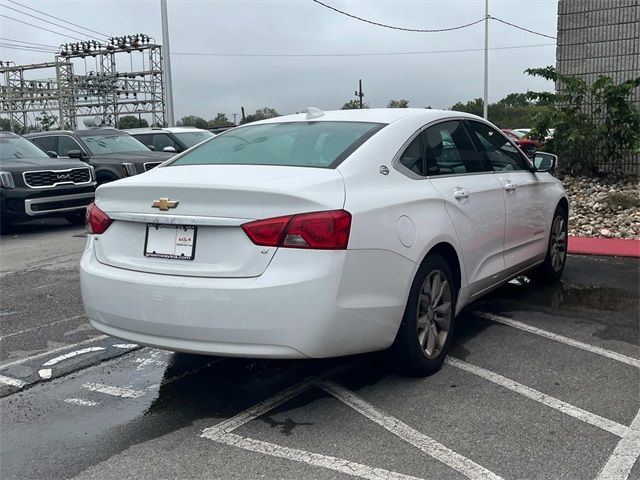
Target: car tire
x,y
427,327
75,218
556,258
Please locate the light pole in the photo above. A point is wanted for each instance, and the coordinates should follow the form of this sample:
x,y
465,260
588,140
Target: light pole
x,y
167,63
485,109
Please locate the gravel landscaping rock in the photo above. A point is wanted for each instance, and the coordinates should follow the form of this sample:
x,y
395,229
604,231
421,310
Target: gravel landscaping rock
x,y
603,207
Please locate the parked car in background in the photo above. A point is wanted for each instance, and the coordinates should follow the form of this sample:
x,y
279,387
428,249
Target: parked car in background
x,y
173,139
322,235
34,185
112,153
217,130
528,145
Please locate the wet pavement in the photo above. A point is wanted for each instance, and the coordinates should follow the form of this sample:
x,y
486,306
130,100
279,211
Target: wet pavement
x,y
542,382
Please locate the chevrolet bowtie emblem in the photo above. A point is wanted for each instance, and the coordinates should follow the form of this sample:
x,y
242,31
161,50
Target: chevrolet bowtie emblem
x,y
164,204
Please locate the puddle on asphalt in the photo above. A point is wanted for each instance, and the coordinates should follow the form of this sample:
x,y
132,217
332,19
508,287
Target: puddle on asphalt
x,y
569,296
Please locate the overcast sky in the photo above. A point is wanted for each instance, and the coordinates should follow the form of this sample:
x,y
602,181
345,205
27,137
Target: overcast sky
x,y
204,85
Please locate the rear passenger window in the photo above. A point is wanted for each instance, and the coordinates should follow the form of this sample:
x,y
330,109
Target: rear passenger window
x,y
499,151
413,157
449,150
48,144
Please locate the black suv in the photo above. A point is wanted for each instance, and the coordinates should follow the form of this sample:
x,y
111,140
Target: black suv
x,y
33,185
113,154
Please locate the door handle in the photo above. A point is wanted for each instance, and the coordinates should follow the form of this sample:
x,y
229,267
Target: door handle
x,y
461,193
509,186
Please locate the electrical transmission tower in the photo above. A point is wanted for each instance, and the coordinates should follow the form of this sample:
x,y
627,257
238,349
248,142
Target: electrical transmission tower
x,y
77,90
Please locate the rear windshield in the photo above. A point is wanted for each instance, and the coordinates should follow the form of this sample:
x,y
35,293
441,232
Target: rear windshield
x,y
296,144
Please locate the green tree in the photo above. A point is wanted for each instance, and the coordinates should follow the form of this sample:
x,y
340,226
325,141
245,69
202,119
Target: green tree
x,y
192,121
354,105
221,120
515,100
472,106
131,121
5,125
596,125
46,120
261,114
402,103
509,112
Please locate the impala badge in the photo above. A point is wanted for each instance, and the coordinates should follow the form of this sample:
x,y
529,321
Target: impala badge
x,y
165,204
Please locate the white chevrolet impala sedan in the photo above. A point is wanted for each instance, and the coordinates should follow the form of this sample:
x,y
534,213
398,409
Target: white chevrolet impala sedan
x,y
322,234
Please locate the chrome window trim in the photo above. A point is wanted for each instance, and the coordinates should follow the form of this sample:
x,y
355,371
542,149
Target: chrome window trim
x,y
24,178
397,165
60,198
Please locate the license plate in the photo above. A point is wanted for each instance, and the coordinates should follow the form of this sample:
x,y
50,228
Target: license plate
x,y
170,241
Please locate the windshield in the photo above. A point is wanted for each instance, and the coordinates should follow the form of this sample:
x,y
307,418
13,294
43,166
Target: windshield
x,y
17,147
193,138
296,144
114,143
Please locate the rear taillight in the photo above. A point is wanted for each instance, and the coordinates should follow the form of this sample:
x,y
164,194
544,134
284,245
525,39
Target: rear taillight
x,y
318,230
96,220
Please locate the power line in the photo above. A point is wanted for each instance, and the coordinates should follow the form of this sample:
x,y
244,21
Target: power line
x,y
430,30
419,30
25,48
28,43
521,28
58,18
49,22
372,54
42,28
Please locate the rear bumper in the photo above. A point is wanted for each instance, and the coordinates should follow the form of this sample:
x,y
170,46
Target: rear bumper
x,y
308,304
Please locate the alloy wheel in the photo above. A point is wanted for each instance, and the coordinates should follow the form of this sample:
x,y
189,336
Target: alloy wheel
x,y
558,246
434,313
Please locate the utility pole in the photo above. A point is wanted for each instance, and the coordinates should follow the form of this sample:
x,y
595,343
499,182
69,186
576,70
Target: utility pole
x,y
486,60
242,110
167,63
359,92
235,115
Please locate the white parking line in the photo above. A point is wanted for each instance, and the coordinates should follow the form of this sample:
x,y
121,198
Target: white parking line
x,y
564,407
12,382
81,401
40,326
251,413
123,392
315,459
625,455
559,338
221,432
467,467
49,352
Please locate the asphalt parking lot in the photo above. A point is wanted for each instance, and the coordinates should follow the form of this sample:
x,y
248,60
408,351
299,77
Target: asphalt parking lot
x,y
542,382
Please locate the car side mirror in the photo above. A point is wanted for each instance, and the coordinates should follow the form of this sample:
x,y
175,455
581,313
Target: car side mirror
x,y
545,162
169,149
52,154
151,147
77,154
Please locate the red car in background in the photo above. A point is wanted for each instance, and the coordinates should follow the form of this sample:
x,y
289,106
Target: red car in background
x,y
528,145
